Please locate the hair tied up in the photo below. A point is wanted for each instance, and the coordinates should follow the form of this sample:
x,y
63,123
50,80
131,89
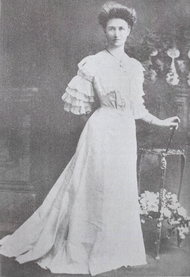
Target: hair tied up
x,y
112,9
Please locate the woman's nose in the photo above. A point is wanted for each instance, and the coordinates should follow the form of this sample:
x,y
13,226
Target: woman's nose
x,y
116,32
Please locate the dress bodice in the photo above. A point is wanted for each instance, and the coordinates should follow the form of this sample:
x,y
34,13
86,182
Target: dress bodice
x,y
112,81
117,85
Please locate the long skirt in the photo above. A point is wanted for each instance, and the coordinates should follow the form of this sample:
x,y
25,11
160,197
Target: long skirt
x,y
89,222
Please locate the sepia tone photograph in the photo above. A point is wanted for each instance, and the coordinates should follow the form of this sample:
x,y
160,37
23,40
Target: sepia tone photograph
x,y
94,138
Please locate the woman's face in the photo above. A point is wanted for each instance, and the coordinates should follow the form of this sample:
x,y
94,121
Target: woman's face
x,y
117,31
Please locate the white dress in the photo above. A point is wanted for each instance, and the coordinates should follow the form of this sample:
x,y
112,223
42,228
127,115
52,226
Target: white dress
x,y
89,222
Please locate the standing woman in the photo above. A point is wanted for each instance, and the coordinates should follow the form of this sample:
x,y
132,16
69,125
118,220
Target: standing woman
x,y
89,222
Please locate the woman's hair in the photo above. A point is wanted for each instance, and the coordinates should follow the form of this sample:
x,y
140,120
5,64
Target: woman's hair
x,y
115,10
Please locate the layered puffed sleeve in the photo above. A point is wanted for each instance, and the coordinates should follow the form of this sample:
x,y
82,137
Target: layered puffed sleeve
x,y
79,94
136,90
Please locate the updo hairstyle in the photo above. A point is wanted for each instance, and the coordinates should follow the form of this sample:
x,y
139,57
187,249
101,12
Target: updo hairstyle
x,y
115,10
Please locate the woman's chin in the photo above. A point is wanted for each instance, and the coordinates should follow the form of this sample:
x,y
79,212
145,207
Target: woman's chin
x,y
117,44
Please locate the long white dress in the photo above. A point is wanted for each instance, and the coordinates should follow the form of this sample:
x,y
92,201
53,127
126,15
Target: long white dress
x,y
89,222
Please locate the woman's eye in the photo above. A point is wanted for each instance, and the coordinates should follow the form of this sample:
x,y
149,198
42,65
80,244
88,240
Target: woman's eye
x,y
121,29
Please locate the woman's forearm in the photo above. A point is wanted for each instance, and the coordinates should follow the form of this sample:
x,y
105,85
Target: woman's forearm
x,y
168,122
151,119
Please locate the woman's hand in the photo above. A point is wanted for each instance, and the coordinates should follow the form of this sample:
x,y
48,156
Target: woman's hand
x,y
171,122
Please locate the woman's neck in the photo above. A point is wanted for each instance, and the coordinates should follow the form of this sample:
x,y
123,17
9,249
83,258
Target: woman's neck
x,y
118,52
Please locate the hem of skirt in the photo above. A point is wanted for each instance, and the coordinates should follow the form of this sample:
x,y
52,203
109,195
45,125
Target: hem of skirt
x,y
69,271
89,271
3,253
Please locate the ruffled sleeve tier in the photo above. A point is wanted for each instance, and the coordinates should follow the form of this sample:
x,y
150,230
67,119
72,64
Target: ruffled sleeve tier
x,y
79,95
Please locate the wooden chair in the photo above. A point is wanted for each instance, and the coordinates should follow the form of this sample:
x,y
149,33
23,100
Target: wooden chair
x,y
162,155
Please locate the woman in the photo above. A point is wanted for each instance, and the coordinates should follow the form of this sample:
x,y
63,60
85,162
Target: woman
x,y
89,222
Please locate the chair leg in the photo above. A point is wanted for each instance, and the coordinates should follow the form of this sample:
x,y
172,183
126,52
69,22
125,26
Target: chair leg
x,y
179,240
158,237
163,164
